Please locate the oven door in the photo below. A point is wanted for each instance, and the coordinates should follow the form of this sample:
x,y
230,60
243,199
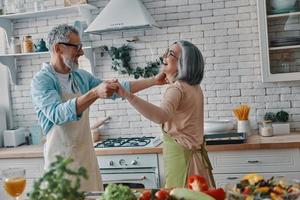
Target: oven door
x,y
139,179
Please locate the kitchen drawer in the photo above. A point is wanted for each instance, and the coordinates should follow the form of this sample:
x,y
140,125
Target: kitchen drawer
x,y
223,179
34,166
279,160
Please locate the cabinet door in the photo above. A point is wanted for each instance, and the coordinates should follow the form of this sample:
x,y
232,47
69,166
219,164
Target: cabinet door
x,y
279,42
224,179
279,160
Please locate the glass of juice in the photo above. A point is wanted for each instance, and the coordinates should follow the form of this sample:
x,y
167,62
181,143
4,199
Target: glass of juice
x,y
14,181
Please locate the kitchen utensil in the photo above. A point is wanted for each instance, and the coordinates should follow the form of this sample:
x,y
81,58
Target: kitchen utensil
x,y
225,138
41,46
217,126
99,122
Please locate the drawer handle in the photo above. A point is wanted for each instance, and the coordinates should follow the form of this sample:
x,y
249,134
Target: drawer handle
x,y
253,161
232,178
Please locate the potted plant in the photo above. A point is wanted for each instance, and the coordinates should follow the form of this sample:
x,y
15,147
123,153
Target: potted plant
x,y
280,122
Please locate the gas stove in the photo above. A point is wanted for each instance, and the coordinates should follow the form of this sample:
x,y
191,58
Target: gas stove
x,y
129,142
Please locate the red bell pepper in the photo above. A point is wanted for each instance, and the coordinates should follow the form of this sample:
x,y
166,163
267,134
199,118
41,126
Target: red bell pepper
x,y
197,183
218,194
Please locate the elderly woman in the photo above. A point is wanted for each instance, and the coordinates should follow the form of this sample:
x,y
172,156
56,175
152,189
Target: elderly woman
x,y
181,115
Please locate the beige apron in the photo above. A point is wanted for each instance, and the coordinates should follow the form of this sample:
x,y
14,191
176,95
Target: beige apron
x,y
73,139
180,162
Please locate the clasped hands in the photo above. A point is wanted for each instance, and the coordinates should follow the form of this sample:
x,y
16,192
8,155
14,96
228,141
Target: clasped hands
x,y
107,88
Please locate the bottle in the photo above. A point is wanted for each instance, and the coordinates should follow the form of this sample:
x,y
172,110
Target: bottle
x,y
27,44
11,49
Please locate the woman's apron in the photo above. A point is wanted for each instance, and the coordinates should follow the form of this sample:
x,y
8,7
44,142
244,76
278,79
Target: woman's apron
x,y
73,139
179,161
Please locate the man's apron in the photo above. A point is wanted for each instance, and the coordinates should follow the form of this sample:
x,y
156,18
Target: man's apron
x,y
178,161
73,139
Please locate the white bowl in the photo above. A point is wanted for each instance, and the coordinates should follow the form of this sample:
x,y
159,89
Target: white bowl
x,y
217,126
282,4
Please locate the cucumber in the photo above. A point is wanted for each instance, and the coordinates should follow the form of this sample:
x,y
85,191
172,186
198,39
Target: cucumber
x,y
187,194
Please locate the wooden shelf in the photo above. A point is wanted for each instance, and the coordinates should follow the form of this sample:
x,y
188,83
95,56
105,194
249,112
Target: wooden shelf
x,y
50,12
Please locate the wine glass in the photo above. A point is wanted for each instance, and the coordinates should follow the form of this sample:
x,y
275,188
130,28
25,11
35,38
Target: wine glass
x,y
14,181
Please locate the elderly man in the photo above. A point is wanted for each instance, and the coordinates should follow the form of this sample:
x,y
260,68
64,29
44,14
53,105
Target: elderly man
x,y
62,94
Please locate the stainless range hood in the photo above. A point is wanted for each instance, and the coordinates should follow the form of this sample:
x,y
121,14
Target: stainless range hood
x,y
120,15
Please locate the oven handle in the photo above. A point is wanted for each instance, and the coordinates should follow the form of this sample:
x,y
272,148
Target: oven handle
x,y
127,179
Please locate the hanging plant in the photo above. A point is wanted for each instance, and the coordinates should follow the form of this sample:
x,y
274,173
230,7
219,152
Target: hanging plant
x,y
121,63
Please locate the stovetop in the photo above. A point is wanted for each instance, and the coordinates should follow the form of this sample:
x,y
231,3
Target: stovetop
x,y
129,142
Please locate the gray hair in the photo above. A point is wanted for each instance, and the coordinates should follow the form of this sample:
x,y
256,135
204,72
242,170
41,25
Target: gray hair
x,y
60,33
191,63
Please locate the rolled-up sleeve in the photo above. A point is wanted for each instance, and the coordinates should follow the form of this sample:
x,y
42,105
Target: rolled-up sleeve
x,y
47,100
126,86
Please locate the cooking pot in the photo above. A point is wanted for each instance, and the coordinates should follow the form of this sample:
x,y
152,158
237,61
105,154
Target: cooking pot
x,y
213,126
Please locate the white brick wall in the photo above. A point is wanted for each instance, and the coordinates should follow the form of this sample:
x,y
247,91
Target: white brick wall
x,y
225,31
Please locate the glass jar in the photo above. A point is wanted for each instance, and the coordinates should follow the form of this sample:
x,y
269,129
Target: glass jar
x,y
27,44
266,129
11,49
17,44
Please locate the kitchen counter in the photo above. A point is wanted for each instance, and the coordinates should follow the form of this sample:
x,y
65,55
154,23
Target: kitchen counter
x,y
253,142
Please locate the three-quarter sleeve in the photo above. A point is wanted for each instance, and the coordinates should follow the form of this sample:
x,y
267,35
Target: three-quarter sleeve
x,y
159,114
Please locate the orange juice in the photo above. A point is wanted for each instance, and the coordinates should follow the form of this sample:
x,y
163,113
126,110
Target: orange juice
x,y
14,186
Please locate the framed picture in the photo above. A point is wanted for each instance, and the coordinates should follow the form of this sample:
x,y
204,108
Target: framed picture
x,y
74,2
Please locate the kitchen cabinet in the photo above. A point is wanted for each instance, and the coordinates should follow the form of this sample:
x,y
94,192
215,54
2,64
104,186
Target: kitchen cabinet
x,y
34,169
6,22
279,32
229,166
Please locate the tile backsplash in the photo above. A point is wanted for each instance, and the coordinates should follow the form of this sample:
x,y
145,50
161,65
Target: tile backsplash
x,y
225,31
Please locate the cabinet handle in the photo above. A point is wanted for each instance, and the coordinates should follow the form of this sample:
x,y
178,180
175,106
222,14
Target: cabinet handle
x,y
253,161
232,178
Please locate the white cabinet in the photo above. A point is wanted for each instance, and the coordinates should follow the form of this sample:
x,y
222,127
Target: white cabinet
x,y
229,166
34,169
279,32
6,21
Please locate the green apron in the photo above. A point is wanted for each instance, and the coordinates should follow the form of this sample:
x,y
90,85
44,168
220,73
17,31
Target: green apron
x,y
177,161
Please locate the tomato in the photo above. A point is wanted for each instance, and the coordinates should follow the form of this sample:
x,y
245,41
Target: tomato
x,y
197,183
247,190
162,195
218,194
146,195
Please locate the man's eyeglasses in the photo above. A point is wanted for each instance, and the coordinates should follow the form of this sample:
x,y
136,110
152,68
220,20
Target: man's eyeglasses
x,y
168,53
77,46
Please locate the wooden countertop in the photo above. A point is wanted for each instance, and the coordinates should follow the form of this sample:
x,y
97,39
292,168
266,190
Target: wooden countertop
x,y
253,142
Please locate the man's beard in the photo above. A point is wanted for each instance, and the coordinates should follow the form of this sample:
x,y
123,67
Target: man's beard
x,y
71,64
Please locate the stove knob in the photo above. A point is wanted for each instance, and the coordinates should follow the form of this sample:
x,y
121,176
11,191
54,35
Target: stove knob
x,y
134,162
122,162
111,163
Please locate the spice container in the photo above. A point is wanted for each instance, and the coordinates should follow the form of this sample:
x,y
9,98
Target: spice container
x,y
27,44
17,43
266,129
